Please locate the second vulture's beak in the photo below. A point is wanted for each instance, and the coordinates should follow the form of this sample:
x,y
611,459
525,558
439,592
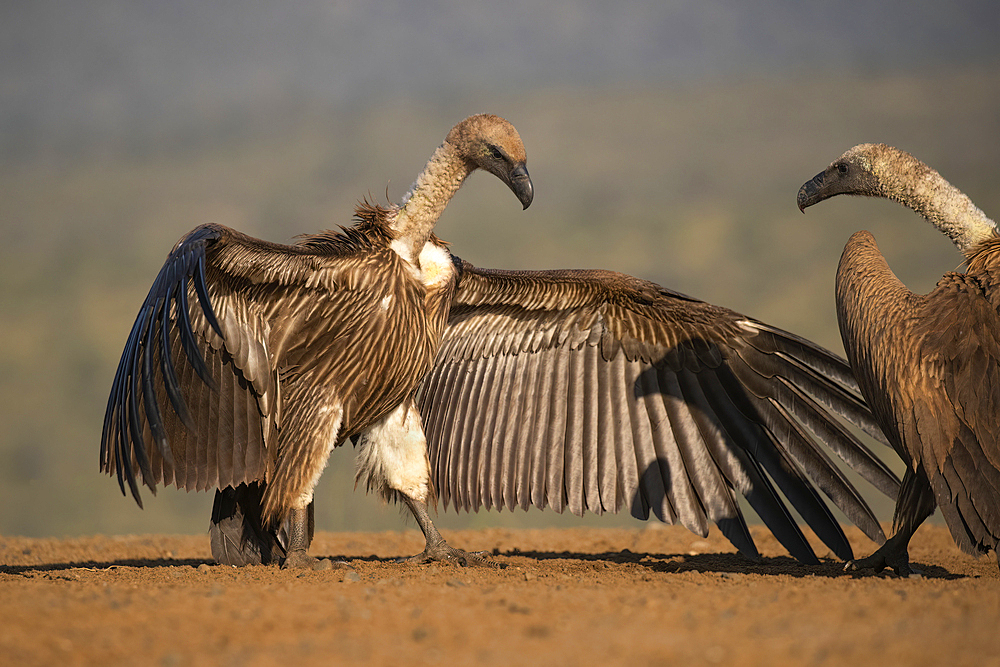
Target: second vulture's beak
x,y
811,192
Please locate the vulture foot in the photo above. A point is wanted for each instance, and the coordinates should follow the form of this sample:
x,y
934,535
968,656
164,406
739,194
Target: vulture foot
x,y
437,550
442,553
892,554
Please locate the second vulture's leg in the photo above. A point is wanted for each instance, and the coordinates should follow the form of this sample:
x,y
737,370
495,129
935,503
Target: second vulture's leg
x,y
392,460
914,504
437,549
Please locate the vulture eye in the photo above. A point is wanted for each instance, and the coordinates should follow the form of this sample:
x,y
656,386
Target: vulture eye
x,y
842,168
495,152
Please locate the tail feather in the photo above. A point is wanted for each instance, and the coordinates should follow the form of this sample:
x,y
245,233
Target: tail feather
x,y
238,534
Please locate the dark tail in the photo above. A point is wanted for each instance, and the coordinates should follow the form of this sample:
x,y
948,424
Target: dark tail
x,y
238,534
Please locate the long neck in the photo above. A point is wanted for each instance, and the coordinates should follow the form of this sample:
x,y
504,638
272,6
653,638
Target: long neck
x,y
428,196
945,207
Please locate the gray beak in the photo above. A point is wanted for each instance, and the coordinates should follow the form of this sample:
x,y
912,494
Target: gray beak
x,y
520,185
811,192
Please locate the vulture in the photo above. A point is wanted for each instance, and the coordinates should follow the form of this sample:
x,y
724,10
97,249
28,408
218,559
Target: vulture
x,y
250,361
928,365
586,390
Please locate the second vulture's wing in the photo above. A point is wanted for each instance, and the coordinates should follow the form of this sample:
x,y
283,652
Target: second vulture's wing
x,y
593,390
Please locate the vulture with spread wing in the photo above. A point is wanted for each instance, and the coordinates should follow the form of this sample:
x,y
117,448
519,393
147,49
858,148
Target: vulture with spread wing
x,y
250,361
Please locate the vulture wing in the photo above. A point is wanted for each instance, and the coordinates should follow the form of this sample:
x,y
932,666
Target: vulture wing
x,y
195,399
932,365
593,390
952,416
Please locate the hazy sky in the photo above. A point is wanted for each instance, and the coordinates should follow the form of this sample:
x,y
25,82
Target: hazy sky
x,y
128,65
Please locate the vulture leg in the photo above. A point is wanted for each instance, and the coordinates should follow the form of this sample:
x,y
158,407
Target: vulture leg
x,y
915,503
296,535
239,537
392,461
437,549
299,527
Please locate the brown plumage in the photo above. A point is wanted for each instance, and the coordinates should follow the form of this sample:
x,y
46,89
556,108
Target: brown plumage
x,y
594,390
928,365
250,361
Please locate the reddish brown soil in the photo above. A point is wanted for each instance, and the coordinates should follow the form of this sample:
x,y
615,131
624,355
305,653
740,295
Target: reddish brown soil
x,y
562,597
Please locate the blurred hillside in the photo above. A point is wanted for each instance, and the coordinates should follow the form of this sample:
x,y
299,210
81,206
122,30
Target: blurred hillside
x,y
682,170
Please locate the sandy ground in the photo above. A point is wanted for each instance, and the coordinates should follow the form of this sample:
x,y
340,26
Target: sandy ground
x,y
652,596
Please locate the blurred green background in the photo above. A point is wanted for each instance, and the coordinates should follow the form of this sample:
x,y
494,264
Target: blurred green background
x,y
665,139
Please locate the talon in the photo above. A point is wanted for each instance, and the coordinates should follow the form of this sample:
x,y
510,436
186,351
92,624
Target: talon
x,y
874,562
443,553
298,559
890,555
437,549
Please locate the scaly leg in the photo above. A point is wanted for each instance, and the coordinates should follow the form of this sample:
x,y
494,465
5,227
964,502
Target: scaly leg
x,y
296,534
893,554
437,549
296,548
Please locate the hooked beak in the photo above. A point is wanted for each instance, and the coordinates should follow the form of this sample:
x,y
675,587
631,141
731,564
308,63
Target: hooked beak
x,y
812,192
520,185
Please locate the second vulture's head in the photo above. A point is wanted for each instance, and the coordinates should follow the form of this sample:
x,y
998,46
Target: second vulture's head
x,y
863,170
490,143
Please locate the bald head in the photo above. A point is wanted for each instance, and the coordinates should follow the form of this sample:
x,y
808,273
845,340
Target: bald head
x,y
489,142
872,170
878,170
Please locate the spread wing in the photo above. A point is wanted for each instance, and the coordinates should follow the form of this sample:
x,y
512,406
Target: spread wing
x,y
195,400
597,391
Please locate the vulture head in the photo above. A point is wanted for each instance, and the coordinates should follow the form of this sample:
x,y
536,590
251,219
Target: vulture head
x,y
488,142
877,170
867,169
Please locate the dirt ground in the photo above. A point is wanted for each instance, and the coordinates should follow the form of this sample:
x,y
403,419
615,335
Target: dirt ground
x,y
650,596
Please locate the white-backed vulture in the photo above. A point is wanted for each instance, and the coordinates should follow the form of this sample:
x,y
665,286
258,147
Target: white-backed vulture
x,y
589,390
250,361
928,365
